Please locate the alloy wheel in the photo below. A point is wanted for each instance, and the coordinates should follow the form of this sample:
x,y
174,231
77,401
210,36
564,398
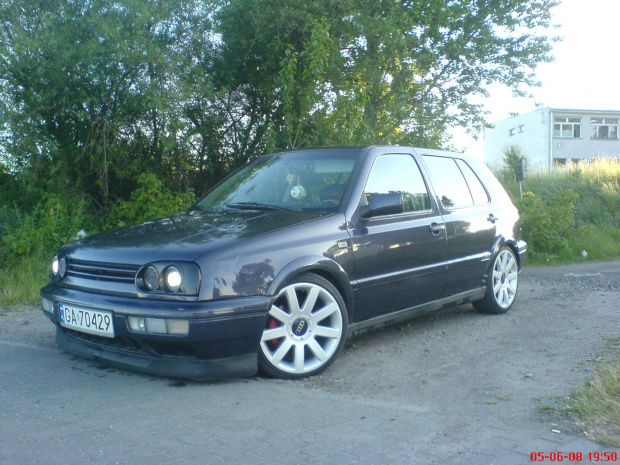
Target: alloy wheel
x,y
505,278
304,329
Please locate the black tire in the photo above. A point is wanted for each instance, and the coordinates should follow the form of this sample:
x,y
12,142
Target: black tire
x,y
502,284
305,329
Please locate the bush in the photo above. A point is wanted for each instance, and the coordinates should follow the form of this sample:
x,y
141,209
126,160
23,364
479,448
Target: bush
x,y
557,225
149,201
28,240
547,224
52,223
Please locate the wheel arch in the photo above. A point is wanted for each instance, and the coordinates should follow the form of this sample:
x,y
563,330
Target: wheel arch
x,y
321,266
506,242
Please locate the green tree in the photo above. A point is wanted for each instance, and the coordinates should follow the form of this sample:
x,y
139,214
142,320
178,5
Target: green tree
x,y
375,71
93,92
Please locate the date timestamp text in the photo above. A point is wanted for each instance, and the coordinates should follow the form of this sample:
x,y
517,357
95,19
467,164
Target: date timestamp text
x,y
574,456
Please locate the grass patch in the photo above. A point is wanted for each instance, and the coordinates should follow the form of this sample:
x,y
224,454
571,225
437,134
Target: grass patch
x,y
573,208
20,284
600,243
597,403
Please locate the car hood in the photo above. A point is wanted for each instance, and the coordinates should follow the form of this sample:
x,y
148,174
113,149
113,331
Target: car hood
x,y
185,236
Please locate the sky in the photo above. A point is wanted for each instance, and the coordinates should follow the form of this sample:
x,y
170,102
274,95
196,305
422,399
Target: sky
x,y
584,75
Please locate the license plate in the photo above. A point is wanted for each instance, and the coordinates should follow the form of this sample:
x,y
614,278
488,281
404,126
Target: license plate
x,y
97,322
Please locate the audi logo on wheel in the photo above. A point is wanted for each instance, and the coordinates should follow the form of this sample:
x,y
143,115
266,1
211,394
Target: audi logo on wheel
x,y
300,327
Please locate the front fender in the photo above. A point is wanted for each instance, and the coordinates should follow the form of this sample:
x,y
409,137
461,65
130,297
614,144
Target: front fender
x,y
325,267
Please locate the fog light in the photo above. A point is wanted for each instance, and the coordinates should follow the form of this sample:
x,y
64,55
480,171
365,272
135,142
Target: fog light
x,y
155,326
137,324
47,305
158,326
178,327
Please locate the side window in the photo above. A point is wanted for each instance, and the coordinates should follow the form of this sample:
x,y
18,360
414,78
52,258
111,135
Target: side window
x,y
394,174
476,188
448,182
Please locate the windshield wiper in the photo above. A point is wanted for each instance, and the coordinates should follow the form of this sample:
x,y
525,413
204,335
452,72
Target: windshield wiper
x,y
197,207
257,206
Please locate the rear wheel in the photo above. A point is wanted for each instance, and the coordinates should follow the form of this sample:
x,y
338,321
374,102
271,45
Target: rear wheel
x,y
502,284
305,329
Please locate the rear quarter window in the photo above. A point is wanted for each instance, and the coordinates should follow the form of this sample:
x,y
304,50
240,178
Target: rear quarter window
x,y
455,182
448,181
478,192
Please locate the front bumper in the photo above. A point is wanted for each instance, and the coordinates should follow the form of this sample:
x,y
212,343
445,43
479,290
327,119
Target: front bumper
x,y
522,252
222,340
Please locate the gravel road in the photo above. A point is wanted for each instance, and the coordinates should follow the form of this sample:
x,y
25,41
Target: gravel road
x,y
464,375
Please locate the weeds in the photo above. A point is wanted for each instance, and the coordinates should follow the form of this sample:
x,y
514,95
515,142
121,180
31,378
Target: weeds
x,y
21,284
597,403
573,209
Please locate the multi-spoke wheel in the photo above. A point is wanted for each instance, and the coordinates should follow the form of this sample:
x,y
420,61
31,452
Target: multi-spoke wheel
x,y
305,329
502,284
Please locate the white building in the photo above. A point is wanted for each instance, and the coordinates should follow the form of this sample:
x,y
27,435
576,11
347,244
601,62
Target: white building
x,y
552,135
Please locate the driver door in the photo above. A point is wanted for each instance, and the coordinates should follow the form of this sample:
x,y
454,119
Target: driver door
x,y
399,259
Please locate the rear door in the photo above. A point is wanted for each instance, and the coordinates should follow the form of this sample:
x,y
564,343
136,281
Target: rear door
x,y
399,259
469,218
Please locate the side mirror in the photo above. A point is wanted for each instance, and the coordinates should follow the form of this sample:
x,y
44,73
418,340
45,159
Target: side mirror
x,y
383,204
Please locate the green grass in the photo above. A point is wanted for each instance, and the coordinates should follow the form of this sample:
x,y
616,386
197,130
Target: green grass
x,y
600,243
596,225
21,284
597,184
597,403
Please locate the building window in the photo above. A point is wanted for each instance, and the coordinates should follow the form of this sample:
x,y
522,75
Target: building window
x,y
565,126
511,132
522,128
604,128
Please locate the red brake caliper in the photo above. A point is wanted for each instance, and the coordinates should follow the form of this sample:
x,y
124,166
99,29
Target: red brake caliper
x,y
274,343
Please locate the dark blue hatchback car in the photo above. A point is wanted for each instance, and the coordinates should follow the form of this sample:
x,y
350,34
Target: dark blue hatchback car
x,y
284,259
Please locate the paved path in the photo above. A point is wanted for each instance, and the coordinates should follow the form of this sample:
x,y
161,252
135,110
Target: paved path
x,y
59,409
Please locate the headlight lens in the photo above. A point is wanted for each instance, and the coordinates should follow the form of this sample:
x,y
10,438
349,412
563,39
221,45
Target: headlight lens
x,y
151,278
173,278
55,266
62,267
58,268
169,278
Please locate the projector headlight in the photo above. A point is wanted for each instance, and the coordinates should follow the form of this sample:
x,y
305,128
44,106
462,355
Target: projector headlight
x,y
169,278
58,267
55,266
62,267
151,278
173,278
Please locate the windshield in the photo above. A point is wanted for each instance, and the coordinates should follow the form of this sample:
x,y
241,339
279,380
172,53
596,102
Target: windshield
x,y
305,180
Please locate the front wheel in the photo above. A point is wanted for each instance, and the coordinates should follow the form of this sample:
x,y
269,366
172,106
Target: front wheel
x,y
305,329
502,284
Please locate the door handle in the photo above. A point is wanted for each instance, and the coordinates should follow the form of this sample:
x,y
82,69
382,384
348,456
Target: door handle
x,y
436,228
492,218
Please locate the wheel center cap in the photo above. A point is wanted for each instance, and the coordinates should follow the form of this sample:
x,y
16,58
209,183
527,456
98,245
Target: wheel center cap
x,y
300,326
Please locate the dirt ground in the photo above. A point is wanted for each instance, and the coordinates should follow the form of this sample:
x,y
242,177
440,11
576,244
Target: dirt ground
x,y
478,370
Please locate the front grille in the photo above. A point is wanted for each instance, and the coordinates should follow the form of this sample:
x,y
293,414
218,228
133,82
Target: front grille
x,y
97,271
